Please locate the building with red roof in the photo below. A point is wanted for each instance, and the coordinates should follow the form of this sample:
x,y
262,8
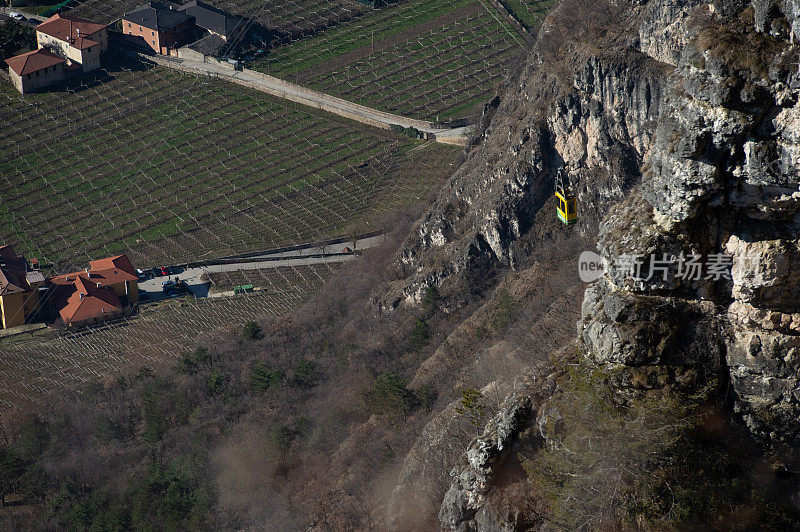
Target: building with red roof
x,y
102,291
83,301
19,289
33,70
79,40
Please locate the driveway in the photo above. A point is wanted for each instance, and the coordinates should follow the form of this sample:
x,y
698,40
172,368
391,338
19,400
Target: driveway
x,y
303,256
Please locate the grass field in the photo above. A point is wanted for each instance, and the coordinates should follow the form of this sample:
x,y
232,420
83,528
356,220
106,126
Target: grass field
x,y
36,369
169,168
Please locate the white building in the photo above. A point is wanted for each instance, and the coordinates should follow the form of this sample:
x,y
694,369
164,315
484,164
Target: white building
x,y
78,40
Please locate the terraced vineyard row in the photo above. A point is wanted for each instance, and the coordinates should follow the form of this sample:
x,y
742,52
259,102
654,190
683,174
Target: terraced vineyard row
x,y
447,73
34,371
292,17
417,58
169,167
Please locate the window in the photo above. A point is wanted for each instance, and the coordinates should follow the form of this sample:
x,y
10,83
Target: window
x,y
129,24
154,43
152,33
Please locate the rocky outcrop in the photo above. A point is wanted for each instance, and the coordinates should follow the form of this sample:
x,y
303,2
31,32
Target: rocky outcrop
x,y
723,179
464,506
716,138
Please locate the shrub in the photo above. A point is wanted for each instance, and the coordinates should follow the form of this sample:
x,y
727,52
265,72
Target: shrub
x,y
216,382
106,429
505,310
251,331
472,407
420,335
389,396
152,413
305,374
263,378
431,297
280,438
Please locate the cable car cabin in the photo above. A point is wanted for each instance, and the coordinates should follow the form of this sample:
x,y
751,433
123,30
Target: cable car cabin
x,y
566,208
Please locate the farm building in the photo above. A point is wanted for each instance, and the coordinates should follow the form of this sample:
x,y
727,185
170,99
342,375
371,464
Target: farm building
x,y
159,26
78,40
19,289
35,70
102,291
215,21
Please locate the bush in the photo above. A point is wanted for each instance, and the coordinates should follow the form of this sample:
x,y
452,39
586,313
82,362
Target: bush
x,y
420,335
106,429
263,378
251,331
389,396
153,416
280,438
305,374
505,311
431,297
15,37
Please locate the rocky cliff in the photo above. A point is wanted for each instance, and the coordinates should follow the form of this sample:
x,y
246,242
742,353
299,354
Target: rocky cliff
x,y
677,122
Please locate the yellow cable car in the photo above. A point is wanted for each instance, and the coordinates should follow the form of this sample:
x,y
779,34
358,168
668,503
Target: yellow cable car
x,y
566,207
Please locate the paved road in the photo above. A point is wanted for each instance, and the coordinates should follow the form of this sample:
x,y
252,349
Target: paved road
x,y
312,98
299,257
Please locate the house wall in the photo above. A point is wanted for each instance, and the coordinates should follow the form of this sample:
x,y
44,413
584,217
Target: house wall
x,y
31,82
11,309
176,36
16,80
150,37
160,41
88,58
30,302
128,288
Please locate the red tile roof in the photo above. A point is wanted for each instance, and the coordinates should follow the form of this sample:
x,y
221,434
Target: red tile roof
x,y
71,29
120,262
84,300
105,272
33,61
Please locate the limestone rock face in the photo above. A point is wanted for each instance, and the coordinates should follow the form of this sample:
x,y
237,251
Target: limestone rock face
x,y
722,177
687,147
663,32
463,507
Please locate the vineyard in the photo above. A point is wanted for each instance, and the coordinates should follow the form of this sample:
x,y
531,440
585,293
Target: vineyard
x,y
292,17
35,370
270,280
170,168
418,58
421,59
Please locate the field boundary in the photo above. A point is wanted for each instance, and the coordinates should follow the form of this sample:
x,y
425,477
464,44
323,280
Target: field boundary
x,y
312,98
